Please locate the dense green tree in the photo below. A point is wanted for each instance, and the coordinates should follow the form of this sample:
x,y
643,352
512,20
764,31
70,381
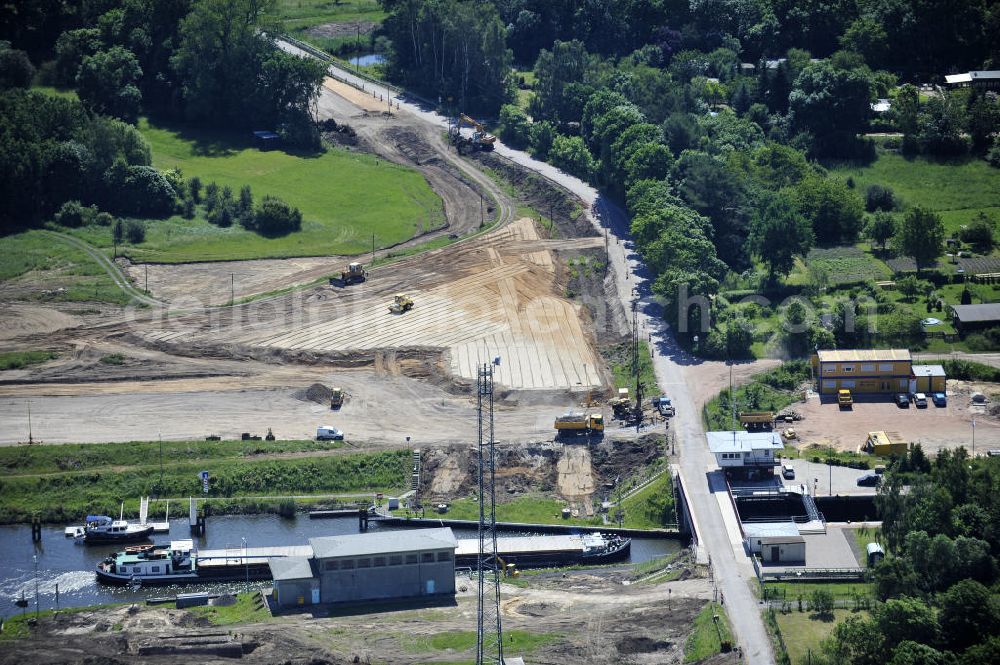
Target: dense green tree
x,y
712,189
907,619
106,83
514,129
834,210
570,154
567,63
894,576
274,217
681,131
983,122
833,105
779,233
455,49
16,70
921,235
881,227
71,48
914,653
968,612
856,641
940,126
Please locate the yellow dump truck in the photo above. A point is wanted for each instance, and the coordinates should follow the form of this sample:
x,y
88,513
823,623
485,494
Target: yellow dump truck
x,y
844,399
884,444
337,398
579,423
757,419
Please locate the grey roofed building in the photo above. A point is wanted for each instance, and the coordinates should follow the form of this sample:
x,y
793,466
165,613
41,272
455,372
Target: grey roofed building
x,y
928,370
290,568
386,542
977,79
969,317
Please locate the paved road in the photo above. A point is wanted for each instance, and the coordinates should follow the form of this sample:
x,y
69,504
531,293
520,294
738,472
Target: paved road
x,y
732,570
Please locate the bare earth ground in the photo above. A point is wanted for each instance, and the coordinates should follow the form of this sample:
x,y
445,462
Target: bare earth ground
x,y
934,428
592,617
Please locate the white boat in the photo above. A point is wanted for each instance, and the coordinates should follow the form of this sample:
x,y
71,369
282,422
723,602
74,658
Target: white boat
x,y
103,529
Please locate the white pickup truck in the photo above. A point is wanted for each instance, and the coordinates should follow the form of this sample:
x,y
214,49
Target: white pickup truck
x,y
663,405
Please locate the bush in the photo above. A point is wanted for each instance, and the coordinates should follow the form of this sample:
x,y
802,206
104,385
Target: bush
x,y
135,231
104,219
993,156
979,233
16,70
821,602
274,217
879,197
73,214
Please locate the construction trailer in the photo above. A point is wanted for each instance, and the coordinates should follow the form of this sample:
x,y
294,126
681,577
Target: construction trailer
x,y
885,444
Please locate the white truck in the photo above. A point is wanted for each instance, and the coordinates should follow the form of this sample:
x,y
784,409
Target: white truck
x,y
327,433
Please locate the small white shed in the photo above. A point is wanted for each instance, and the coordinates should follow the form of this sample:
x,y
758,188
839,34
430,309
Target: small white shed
x,y
783,549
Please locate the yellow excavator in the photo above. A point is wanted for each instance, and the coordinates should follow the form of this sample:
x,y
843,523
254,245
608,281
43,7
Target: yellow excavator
x,y
481,139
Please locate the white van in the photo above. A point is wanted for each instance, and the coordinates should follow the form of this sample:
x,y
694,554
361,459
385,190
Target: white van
x,y
327,433
787,472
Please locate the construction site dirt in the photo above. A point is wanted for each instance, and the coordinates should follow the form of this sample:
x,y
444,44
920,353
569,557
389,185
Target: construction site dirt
x,y
604,616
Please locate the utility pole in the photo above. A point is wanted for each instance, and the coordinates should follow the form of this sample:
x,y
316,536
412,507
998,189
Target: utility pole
x,y
636,365
373,249
147,278
482,215
31,439
160,435
232,288
489,633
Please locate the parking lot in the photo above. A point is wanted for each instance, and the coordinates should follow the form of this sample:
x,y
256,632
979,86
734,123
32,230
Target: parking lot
x,y
825,424
816,479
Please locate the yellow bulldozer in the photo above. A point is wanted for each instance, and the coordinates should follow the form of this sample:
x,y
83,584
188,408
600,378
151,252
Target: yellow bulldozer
x,y
401,303
355,273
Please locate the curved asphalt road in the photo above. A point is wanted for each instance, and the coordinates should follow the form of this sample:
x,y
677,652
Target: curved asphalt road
x,y
731,569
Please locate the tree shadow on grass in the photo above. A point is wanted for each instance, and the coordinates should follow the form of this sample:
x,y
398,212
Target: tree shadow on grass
x,y
215,142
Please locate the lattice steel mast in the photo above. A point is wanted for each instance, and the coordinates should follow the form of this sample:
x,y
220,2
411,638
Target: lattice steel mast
x,y
489,631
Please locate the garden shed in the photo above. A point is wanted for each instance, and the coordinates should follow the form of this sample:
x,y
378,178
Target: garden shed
x,y
975,317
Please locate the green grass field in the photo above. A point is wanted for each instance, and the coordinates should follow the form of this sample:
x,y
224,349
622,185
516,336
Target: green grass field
x,y
20,359
32,260
242,611
802,634
533,510
345,197
63,482
652,507
704,638
515,641
790,591
299,14
958,190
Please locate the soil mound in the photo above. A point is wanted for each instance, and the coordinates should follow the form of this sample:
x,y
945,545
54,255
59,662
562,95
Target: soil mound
x,y
317,392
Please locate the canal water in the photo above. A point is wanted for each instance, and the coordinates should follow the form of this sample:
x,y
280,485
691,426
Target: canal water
x,y
68,565
367,59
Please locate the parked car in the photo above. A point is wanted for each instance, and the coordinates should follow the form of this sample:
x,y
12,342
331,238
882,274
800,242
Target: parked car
x,y
903,400
787,472
868,480
326,433
920,399
939,399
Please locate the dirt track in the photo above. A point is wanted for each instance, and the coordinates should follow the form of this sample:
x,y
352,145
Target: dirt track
x,y
596,617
